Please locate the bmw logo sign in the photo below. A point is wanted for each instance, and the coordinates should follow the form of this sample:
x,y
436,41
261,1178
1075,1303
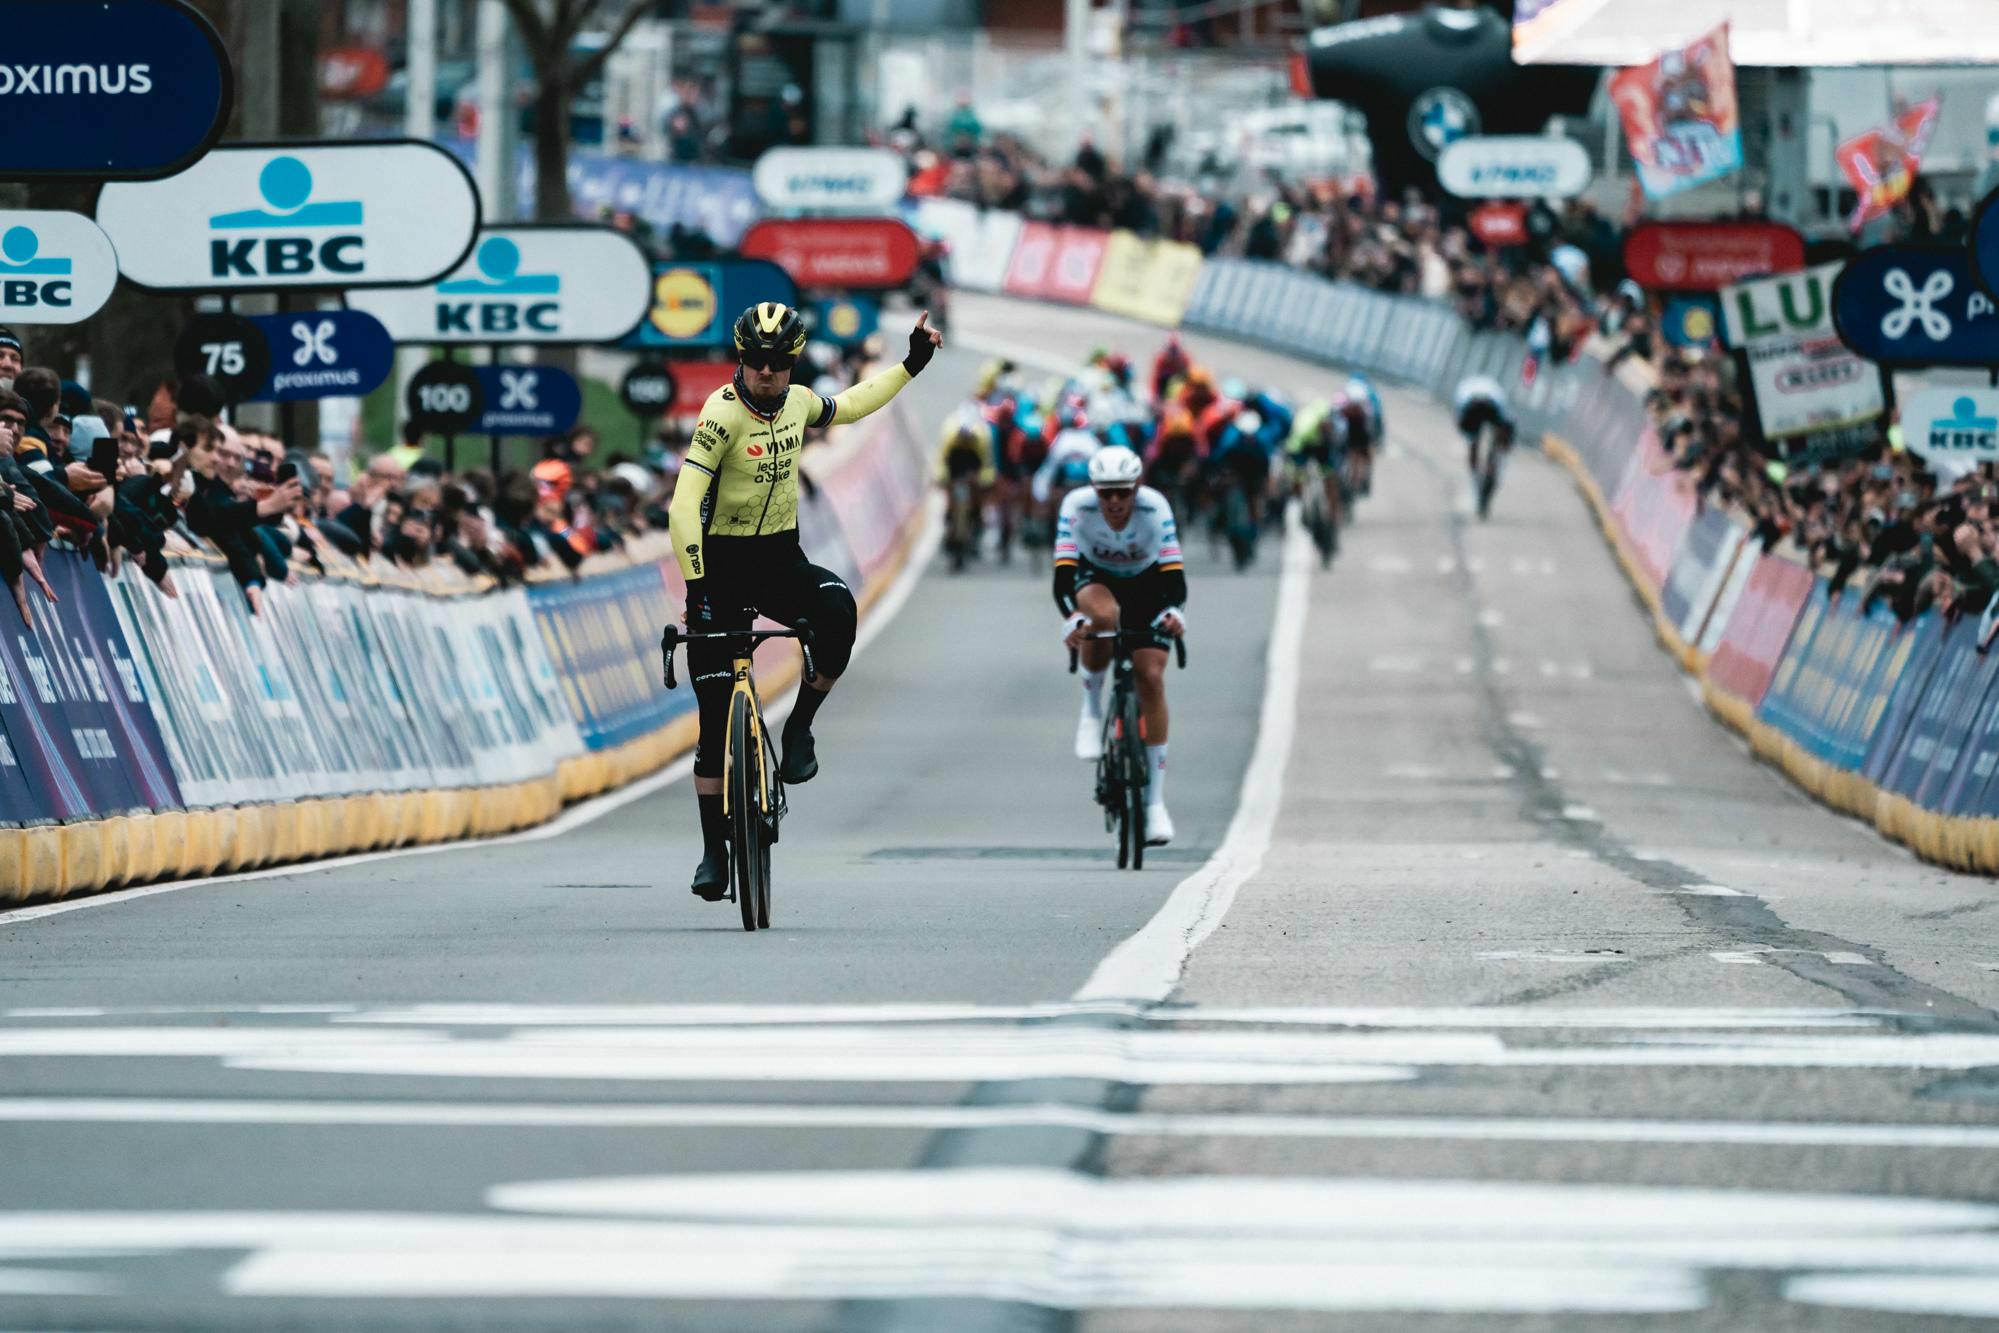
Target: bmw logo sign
x,y
1439,118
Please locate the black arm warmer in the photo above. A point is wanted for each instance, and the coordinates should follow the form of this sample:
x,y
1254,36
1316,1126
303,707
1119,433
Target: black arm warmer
x,y
1065,589
1176,586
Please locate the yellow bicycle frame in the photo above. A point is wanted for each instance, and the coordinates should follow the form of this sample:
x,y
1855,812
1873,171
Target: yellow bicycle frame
x,y
745,684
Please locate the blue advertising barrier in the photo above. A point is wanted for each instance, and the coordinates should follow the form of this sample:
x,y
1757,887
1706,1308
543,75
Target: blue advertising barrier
x,y
1917,657
1950,661
1943,784
602,637
527,400
115,89
77,721
694,304
324,354
717,200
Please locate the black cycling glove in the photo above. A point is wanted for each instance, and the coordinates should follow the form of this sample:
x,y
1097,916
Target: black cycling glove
x,y
700,610
921,349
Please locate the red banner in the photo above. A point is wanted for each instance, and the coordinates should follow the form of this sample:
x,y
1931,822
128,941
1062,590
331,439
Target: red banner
x,y
852,254
1500,224
1881,164
1655,506
693,381
1760,628
1033,260
1079,254
1708,256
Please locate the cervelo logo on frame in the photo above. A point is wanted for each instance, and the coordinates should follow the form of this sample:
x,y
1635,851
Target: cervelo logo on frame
x,y
55,268
286,186
268,217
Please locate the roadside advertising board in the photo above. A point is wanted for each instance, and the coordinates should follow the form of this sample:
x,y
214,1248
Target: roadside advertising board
x,y
695,305
1707,256
647,390
527,400
1804,378
1953,430
55,268
1514,166
445,398
851,254
263,217
111,90
846,321
525,283
229,349
323,354
1500,225
829,180
1910,306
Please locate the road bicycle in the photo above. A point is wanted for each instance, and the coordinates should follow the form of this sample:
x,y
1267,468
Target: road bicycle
x,y
1123,772
1321,519
752,792
1491,463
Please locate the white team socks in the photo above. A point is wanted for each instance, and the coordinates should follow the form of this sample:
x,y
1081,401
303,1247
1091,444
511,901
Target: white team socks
x,y
1156,784
1093,692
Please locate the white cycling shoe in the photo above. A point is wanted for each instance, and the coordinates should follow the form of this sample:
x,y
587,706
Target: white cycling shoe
x,y
1158,826
1089,735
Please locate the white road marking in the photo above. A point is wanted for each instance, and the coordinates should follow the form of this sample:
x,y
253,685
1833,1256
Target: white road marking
x,y
1389,564
957,1116
1581,814
1526,721
1491,619
1709,891
1148,965
1973,1296
1758,953
967,1053
575,817
1068,1241
1555,955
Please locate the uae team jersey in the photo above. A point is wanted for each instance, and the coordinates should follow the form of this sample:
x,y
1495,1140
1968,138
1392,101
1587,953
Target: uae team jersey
x,y
1082,536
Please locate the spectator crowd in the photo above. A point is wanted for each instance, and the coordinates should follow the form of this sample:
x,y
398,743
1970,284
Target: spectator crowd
x,y
1857,503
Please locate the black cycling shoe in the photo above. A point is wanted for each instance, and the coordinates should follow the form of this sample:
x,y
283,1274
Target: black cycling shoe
x,y
711,877
800,764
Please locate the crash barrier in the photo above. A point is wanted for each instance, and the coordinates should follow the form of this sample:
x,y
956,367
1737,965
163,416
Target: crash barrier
x,y
144,737
1896,723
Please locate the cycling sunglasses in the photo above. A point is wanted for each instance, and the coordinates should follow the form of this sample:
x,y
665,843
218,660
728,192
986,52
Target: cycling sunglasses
x,y
757,359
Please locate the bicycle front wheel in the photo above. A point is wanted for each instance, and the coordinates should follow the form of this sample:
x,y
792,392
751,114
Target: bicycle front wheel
x,y
1132,746
746,822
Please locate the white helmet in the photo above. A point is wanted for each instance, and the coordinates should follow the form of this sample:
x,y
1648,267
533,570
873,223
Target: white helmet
x,y
1115,465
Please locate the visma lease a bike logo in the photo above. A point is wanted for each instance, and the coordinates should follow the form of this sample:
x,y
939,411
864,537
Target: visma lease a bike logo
x,y
30,279
501,300
295,234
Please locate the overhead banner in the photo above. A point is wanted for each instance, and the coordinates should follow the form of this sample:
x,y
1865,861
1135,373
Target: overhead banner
x,y
323,354
1881,165
1914,306
527,400
1680,116
695,305
1514,166
110,90
852,254
1707,256
830,180
265,217
541,284
55,268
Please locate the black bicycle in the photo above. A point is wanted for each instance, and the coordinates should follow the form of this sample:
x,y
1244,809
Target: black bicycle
x,y
1123,772
752,791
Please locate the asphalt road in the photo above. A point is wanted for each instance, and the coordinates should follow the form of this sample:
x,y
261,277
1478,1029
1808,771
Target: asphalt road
x,y
1523,998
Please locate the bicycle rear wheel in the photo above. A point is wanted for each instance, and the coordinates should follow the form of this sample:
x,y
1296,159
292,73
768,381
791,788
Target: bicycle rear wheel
x,y
746,823
1132,746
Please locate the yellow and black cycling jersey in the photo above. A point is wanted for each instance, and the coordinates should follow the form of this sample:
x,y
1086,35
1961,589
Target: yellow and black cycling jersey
x,y
740,476
965,449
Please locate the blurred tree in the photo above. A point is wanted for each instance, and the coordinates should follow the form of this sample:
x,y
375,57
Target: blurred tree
x,y
549,29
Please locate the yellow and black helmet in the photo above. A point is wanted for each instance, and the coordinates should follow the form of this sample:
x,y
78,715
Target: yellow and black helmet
x,y
772,329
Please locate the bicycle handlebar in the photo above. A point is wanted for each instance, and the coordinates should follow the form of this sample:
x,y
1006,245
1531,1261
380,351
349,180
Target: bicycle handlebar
x,y
1143,638
673,636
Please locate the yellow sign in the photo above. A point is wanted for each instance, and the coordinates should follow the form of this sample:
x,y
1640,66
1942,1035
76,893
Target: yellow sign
x,y
843,321
1148,280
683,303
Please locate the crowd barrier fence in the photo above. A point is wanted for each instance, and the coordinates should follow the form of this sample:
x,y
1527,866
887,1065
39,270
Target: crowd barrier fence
x,y
144,737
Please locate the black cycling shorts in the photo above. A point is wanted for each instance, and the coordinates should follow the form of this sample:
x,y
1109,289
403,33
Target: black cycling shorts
x,y
1140,597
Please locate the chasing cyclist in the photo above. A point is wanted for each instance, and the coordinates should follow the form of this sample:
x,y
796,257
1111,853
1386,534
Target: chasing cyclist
x,y
1118,566
734,522
1480,405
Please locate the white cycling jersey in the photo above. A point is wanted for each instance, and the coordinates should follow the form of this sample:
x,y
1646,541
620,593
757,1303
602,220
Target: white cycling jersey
x,y
1150,537
1071,450
1481,388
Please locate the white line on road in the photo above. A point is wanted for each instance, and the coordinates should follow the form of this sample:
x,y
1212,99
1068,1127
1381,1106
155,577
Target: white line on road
x,y
54,1112
1148,965
576,817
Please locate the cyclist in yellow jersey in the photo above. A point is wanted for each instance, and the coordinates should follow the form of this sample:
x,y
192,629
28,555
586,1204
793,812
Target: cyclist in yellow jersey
x,y
734,523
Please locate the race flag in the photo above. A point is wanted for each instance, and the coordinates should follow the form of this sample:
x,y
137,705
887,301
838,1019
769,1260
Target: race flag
x,y
1881,164
1680,116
